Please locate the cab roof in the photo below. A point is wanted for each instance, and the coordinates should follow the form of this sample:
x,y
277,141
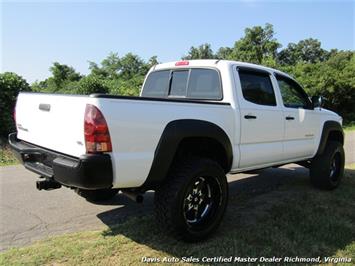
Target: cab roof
x,y
213,63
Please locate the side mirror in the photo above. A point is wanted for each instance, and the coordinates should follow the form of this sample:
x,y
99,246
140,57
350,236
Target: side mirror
x,y
317,101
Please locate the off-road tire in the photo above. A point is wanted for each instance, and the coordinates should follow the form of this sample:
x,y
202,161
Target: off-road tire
x,y
170,199
97,195
327,169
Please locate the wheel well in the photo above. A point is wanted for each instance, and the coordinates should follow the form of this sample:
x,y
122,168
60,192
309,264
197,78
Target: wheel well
x,y
336,135
203,147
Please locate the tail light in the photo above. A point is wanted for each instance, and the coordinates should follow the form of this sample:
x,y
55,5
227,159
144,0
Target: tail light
x,y
97,135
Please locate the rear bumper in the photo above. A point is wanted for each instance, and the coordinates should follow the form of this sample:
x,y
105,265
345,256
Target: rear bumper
x,y
89,171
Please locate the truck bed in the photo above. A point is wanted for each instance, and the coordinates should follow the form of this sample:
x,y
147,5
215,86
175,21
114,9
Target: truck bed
x,y
56,122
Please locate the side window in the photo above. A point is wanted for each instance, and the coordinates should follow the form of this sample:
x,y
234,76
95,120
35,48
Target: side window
x,y
257,87
157,84
292,94
204,84
179,83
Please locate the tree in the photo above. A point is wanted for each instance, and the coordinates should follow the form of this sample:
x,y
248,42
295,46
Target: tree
x,y
121,76
91,84
97,71
10,85
129,87
132,65
153,61
257,44
289,55
334,79
224,53
110,67
306,51
62,74
204,51
114,67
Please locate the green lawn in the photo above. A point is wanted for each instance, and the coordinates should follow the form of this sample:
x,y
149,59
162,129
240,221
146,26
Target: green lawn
x,y
292,220
349,126
6,156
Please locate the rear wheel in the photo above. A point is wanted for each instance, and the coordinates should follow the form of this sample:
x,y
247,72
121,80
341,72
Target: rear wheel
x,y
191,203
327,169
97,195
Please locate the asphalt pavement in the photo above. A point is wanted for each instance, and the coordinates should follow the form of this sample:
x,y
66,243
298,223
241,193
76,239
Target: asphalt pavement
x,y
349,147
28,214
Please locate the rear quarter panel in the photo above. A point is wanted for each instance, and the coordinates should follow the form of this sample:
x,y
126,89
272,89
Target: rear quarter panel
x,y
136,127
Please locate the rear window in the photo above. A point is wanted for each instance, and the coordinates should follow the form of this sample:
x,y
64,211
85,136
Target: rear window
x,y
194,83
178,83
157,84
204,84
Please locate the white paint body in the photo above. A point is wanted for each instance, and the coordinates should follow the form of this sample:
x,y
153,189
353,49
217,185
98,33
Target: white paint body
x,y
136,126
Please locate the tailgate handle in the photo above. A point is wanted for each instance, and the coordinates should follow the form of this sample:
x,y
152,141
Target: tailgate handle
x,y
44,107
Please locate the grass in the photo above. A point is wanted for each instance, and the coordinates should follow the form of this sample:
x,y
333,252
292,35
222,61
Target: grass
x,y
291,220
6,156
349,127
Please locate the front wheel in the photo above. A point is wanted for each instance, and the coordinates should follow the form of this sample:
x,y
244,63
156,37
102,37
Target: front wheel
x,y
191,203
327,169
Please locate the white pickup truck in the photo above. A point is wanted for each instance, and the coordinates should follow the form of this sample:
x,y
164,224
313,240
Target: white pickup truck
x,y
194,122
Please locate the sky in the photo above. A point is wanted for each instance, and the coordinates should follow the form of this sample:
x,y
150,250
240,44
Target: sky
x,y
36,34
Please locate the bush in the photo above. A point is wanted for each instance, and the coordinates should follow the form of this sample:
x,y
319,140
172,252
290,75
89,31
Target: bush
x,y
90,84
10,85
123,87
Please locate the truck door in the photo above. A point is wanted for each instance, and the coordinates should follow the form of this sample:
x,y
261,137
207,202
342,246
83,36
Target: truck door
x,y
262,122
301,121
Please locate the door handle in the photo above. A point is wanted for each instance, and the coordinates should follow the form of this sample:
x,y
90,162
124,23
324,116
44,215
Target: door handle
x,y
290,118
44,107
250,117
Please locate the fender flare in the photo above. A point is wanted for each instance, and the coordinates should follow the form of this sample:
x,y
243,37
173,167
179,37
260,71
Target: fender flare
x,y
328,127
176,131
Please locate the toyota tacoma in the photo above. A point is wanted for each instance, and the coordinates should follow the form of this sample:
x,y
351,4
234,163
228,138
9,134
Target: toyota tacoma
x,y
193,123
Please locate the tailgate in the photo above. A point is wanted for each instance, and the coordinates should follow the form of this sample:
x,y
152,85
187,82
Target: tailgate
x,y
55,122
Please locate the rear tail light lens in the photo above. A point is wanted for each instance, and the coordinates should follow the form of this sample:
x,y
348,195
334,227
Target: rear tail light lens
x,y
97,135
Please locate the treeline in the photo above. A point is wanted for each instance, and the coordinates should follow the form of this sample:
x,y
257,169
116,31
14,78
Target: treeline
x,y
321,72
115,75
